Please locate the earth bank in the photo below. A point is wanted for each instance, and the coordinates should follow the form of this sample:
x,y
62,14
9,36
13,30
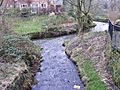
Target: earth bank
x,y
91,54
19,60
114,65
56,31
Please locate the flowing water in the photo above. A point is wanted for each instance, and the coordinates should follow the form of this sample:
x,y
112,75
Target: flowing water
x,y
57,71
100,26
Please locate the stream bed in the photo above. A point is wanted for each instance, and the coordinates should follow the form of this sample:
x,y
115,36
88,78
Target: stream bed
x,y
57,71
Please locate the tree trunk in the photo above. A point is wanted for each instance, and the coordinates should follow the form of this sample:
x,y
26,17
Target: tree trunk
x,y
79,17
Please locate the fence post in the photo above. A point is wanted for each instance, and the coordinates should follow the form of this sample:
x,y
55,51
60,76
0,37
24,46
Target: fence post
x,y
110,29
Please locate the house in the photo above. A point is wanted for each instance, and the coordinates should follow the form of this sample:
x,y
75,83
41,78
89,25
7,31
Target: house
x,y
37,6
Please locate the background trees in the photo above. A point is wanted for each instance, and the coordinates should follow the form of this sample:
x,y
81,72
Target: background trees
x,y
82,8
114,9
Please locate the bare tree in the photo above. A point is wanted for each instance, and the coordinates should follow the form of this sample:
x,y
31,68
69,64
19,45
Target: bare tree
x,y
3,23
82,9
114,9
1,2
99,8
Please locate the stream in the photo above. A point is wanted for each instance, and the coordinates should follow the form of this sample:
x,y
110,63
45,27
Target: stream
x,y
57,71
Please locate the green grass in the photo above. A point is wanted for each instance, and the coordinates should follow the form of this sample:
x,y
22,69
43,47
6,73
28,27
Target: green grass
x,y
114,65
101,18
86,68
27,25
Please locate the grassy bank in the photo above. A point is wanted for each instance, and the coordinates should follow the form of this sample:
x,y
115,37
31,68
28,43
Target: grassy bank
x,y
27,25
101,19
114,65
90,56
89,74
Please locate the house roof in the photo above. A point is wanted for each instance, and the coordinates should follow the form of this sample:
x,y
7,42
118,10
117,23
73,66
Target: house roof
x,y
10,2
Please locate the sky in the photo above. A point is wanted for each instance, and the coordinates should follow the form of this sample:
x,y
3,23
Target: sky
x,y
59,1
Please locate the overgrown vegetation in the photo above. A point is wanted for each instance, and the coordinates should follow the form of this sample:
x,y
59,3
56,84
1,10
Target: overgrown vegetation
x,y
17,55
81,8
56,20
88,54
114,65
17,46
101,19
19,59
117,22
89,74
33,24
60,19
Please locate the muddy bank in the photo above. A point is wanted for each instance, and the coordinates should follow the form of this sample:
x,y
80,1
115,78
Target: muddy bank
x,y
57,71
92,49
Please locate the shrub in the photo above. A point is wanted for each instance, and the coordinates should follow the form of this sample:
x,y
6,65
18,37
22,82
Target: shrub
x,y
25,12
101,18
12,12
18,48
58,19
117,22
72,13
17,12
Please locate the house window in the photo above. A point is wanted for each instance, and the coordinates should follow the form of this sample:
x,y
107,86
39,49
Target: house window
x,y
43,5
35,7
22,6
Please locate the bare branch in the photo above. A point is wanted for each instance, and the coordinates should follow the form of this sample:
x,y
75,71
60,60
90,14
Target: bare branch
x,y
1,2
72,3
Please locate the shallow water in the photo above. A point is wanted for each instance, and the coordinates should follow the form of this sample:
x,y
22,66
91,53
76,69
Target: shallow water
x,y
57,71
100,26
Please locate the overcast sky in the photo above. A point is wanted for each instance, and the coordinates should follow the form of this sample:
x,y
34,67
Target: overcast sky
x,y
59,1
